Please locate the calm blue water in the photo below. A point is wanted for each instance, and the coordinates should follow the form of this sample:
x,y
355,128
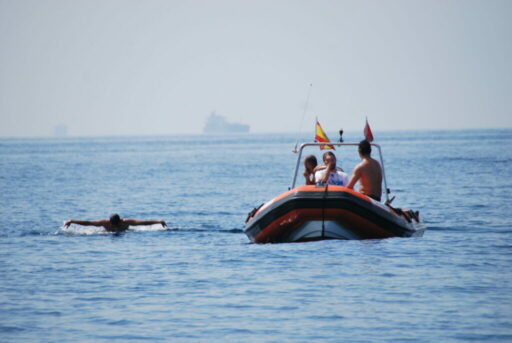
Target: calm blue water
x,y
202,281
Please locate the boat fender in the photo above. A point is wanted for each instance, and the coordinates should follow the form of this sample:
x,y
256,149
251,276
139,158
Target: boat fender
x,y
252,213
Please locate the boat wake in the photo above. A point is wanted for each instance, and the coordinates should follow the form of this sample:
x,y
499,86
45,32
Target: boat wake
x,y
78,230
95,230
208,228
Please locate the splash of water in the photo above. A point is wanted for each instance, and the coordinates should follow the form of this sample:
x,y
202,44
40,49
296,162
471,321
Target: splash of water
x,y
74,229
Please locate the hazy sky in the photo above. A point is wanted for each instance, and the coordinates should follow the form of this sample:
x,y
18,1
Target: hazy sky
x,y
160,67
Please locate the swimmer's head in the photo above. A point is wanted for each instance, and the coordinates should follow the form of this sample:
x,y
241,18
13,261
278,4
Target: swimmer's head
x,y
115,219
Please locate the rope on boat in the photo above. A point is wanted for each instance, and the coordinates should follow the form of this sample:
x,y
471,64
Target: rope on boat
x,y
324,198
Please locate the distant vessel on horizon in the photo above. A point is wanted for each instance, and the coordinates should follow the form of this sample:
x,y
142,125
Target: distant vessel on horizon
x,y
218,124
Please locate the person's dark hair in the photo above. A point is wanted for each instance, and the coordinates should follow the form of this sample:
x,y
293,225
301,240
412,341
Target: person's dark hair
x,y
311,159
330,153
365,147
115,219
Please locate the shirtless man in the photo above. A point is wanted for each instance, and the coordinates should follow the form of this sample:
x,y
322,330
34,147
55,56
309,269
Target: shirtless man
x,y
115,223
368,173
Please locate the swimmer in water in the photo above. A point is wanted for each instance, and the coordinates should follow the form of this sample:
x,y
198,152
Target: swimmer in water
x,y
114,223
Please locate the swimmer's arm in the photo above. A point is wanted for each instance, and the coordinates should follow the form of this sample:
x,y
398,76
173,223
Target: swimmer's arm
x,y
101,222
356,175
136,222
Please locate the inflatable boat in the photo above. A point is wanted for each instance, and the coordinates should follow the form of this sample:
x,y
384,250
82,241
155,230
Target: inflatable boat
x,y
318,212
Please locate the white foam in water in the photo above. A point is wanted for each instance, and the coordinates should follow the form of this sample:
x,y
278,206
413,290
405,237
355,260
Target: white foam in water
x,y
154,227
95,230
83,230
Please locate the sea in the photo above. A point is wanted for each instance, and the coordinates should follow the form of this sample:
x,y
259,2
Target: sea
x,y
202,280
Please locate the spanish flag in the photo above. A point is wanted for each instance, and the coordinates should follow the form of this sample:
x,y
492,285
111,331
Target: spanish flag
x,y
320,136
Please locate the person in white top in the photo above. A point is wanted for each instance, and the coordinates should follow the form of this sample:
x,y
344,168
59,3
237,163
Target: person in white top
x,y
331,175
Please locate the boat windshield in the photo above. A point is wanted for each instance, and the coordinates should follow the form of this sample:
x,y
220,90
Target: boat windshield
x,y
299,159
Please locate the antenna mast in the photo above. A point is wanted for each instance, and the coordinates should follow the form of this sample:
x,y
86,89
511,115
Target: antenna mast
x,y
303,115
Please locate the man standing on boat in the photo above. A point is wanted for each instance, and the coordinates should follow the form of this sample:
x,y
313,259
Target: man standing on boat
x,y
368,173
331,175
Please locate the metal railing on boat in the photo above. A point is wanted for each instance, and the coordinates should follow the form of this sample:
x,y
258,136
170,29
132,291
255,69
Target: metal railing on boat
x,y
299,156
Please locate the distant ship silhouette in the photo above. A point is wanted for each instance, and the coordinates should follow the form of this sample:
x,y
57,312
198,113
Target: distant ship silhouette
x,y
218,124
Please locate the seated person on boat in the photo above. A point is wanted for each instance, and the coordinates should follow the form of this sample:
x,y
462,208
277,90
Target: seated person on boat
x,y
368,173
310,164
331,175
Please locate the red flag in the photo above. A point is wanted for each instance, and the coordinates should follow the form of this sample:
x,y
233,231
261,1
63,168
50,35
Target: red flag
x,y
368,132
320,136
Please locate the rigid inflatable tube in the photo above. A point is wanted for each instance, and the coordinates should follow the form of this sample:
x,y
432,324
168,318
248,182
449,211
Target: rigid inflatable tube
x,y
386,220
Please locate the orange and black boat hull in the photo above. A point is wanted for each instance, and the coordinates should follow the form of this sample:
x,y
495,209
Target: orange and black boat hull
x,y
329,212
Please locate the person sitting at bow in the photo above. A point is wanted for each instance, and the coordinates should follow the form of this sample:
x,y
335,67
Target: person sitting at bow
x,y
331,175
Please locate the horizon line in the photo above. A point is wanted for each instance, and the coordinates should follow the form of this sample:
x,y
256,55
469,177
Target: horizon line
x,y
243,134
